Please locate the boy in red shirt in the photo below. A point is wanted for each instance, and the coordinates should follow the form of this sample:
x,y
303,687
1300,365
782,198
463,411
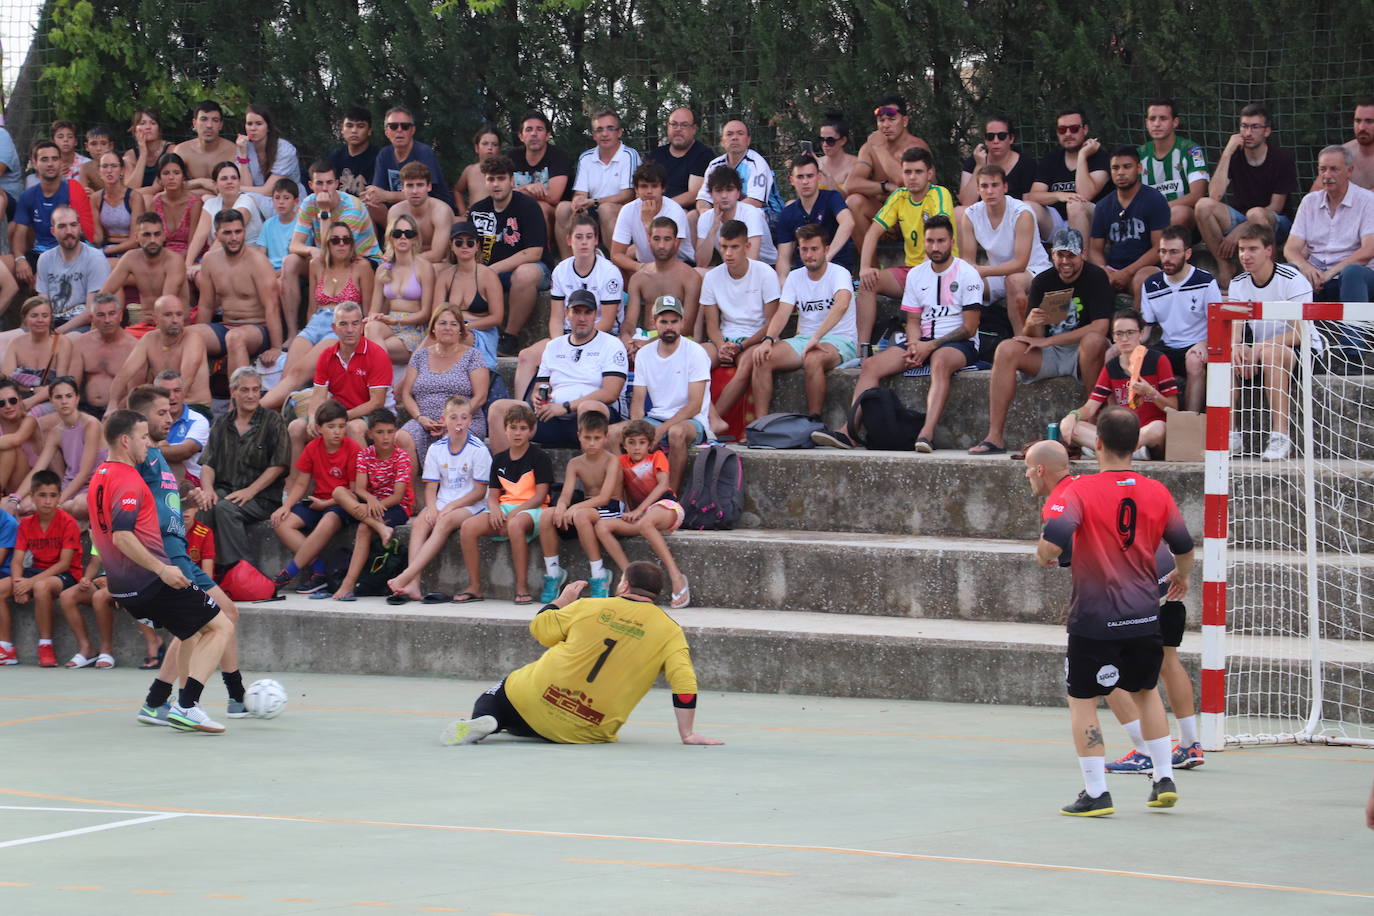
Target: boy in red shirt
x,y
328,461
53,537
651,511
380,500
200,540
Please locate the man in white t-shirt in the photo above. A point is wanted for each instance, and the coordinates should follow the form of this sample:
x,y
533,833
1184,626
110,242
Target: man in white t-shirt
x,y
585,370
725,188
673,373
823,295
1273,347
753,170
190,430
1176,299
737,300
943,302
630,241
1005,229
603,182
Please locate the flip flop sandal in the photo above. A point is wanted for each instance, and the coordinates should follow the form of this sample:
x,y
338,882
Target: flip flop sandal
x,y
150,663
435,598
524,599
104,661
987,448
79,661
467,598
683,598
396,600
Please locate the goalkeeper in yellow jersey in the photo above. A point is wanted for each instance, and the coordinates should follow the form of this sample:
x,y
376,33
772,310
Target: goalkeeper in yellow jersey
x,y
603,656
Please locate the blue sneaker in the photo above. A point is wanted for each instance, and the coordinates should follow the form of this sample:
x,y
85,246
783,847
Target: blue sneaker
x,y
1134,762
149,715
599,586
1187,758
552,586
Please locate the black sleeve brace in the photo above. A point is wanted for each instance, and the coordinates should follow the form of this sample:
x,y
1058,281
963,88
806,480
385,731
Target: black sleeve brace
x,y
684,701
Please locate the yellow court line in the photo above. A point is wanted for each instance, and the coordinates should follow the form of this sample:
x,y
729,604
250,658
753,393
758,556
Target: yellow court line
x,y
64,715
737,871
718,844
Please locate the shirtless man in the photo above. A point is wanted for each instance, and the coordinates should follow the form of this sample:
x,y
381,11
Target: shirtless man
x,y
207,148
239,280
878,171
99,354
433,216
167,346
152,268
666,275
1362,147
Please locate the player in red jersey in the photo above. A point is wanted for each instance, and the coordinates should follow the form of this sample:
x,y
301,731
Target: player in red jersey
x,y
124,527
1114,522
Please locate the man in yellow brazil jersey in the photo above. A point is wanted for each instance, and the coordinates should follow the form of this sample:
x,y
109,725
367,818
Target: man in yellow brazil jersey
x,y
603,655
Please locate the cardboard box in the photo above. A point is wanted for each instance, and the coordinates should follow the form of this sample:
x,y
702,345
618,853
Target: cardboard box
x,y
1184,435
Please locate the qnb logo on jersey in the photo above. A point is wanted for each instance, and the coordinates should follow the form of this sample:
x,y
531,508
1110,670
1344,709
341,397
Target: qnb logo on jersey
x,y
1108,675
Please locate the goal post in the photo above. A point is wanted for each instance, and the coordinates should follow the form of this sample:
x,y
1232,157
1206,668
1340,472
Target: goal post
x,y
1288,540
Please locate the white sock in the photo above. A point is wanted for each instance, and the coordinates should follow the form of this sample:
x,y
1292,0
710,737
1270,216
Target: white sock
x,y
1137,739
598,568
1094,774
1162,756
1187,730
45,642
551,567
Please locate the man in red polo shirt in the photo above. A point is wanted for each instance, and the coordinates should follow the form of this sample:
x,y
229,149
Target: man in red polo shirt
x,y
356,372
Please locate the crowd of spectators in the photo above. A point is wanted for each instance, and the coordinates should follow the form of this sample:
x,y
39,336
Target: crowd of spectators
x,y
349,310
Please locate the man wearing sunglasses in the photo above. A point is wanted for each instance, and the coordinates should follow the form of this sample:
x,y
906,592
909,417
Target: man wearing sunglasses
x,y
385,189
1070,180
997,148
432,215
1132,220
878,172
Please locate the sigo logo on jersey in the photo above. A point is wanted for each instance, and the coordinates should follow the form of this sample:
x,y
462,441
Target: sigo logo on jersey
x,y
130,503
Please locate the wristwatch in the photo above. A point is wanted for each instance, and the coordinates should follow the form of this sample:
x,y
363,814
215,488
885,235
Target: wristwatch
x,y
567,407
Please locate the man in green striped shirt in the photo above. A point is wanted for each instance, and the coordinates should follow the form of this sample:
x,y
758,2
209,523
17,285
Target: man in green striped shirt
x,y
1172,165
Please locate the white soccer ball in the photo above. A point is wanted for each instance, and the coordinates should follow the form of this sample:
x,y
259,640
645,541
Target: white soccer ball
x,y
265,699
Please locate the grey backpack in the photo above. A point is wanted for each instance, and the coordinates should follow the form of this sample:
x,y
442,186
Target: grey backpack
x,y
783,430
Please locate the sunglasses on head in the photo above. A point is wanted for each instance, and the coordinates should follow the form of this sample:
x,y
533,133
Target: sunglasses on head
x,y
399,233
997,135
1069,128
465,241
887,111
400,125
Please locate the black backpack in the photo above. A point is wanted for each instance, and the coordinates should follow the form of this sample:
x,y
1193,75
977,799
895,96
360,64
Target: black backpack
x,y
783,430
886,424
714,497
387,561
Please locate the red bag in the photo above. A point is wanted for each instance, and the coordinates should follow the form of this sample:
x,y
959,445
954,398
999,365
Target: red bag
x,y
244,583
742,414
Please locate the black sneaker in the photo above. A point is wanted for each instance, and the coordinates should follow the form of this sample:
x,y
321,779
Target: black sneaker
x,y
1087,806
826,439
282,580
1162,794
507,345
315,583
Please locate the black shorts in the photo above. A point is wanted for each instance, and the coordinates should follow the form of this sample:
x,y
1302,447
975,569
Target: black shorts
x,y
1178,359
496,704
222,330
1095,667
561,432
180,611
1172,619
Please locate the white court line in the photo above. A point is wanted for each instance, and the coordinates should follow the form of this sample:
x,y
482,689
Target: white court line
x,y
719,844
78,832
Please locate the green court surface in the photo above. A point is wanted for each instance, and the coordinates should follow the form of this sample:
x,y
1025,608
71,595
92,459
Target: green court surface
x,y
347,803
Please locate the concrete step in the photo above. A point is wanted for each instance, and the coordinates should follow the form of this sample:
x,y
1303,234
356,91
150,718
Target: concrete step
x,y
733,650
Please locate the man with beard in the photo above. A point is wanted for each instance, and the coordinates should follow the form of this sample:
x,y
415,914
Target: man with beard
x,y
542,170
878,171
1362,147
943,302
674,372
152,268
684,159
1128,225
32,233
70,274
1071,179
240,281
206,149
665,275
167,346
97,356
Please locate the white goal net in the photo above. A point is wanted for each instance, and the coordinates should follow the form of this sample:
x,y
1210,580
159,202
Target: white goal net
x,y
1298,554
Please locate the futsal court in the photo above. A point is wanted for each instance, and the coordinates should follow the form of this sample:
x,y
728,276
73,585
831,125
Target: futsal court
x,y
348,804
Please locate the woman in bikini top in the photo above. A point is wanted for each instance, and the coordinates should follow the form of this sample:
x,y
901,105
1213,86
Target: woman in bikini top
x,y
401,317
171,172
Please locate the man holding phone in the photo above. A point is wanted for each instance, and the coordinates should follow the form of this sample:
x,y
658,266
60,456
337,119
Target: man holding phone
x,y
1065,333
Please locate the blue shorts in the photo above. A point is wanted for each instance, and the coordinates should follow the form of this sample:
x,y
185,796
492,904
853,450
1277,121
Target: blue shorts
x,y
544,282
1283,225
312,517
485,341
66,578
696,424
508,508
848,347
193,572
320,326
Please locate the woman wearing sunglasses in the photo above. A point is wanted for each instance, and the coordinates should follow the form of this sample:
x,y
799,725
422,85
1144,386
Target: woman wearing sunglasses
x,y
476,289
402,292
997,148
338,275
19,439
833,153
